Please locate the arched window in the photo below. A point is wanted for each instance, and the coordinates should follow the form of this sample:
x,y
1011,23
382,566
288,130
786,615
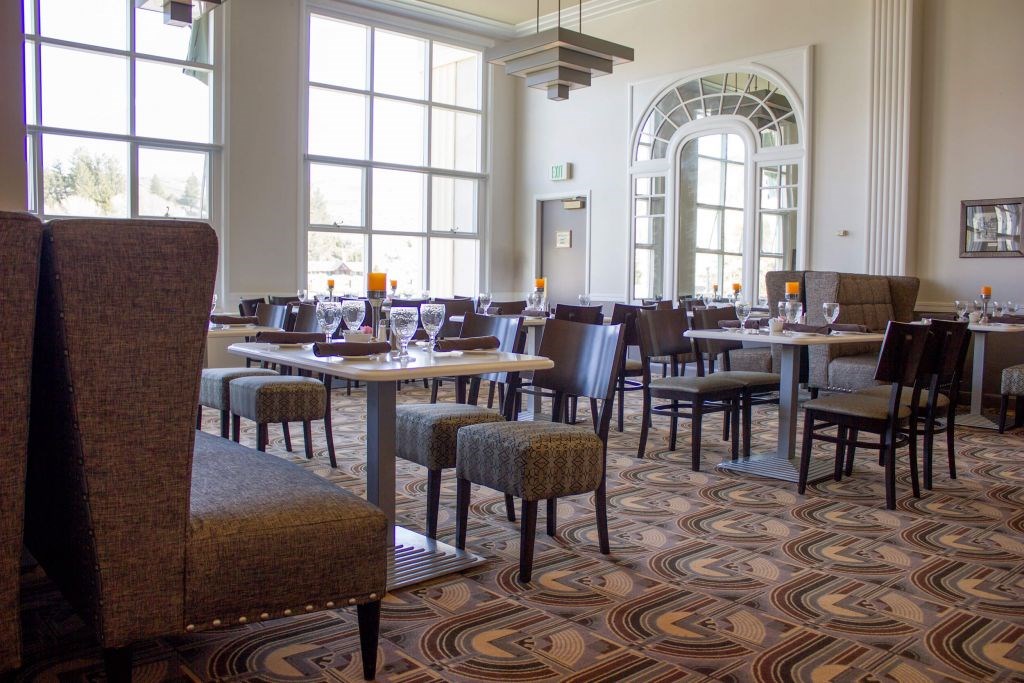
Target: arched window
x,y
715,176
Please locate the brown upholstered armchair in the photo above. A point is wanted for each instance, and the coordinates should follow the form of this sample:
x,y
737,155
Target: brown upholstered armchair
x,y
20,236
148,527
868,300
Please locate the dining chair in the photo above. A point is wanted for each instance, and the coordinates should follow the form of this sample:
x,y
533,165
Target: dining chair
x,y
454,307
590,315
425,433
282,300
21,235
149,528
305,319
625,315
507,329
247,307
271,315
899,364
662,334
537,461
1011,384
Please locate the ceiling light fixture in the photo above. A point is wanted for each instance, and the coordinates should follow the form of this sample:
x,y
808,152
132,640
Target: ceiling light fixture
x,y
558,60
176,12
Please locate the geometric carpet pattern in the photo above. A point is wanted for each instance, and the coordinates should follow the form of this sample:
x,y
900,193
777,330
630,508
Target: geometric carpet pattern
x,y
712,576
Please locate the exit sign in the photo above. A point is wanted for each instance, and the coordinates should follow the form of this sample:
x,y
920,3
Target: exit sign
x,y
562,171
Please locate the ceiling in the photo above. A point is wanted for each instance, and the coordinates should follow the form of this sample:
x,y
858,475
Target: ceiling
x,y
507,11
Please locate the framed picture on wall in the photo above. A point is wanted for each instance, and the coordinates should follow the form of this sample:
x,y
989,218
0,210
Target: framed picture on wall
x,y
991,227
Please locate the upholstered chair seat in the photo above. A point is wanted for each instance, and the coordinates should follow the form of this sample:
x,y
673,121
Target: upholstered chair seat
x,y
426,432
283,398
215,392
531,460
665,387
883,391
858,405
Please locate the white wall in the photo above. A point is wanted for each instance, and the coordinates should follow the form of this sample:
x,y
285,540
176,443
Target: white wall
x,y
972,112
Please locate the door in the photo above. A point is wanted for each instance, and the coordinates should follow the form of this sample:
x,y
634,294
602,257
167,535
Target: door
x,y
563,250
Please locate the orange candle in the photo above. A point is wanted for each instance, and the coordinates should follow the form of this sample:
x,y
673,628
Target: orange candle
x,y
330,283
986,291
540,283
736,286
394,284
376,282
714,287
792,288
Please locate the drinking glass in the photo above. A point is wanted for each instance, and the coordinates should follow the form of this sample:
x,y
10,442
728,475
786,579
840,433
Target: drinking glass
x,y
483,302
303,295
328,316
432,317
404,320
1012,307
831,311
213,304
743,312
997,309
353,312
584,299
534,301
782,309
961,309
794,309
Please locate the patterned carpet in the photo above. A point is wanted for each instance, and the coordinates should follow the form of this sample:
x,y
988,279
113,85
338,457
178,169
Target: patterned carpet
x,y
712,577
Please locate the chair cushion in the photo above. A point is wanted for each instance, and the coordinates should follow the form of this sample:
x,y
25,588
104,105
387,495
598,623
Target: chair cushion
x,y
265,535
213,384
426,432
278,399
531,460
855,405
753,380
668,387
853,372
1013,381
884,390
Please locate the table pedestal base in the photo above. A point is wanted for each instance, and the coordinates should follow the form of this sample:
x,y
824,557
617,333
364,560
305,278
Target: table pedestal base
x,y
773,467
416,558
975,420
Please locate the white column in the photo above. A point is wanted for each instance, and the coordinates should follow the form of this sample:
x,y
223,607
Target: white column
x,y
888,219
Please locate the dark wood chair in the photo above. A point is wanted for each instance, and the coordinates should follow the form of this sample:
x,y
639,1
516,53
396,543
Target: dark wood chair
x,y
548,460
661,334
590,315
1012,384
899,365
247,307
282,300
453,307
506,307
625,315
506,328
271,315
305,319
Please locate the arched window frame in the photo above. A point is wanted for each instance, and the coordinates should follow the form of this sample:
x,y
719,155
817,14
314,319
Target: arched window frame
x,y
756,157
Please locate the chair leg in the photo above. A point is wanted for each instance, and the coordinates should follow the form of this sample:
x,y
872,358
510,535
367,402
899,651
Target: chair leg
x,y
224,415
805,453
510,507
622,401
199,418
601,512
915,483
461,511
307,438
841,437
928,445
433,501
287,437
117,662
851,449
673,427
527,534
552,521
747,410
262,436
490,396
696,418
593,413
814,392
368,615
1004,407
889,456
236,427
726,423
1018,412
434,386
734,411
328,427
572,414
645,423
950,438
348,387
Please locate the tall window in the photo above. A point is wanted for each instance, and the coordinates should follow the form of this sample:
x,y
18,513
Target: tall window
x,y
394,159
119,111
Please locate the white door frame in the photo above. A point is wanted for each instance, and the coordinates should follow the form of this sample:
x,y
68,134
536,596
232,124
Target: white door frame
x,y
535,252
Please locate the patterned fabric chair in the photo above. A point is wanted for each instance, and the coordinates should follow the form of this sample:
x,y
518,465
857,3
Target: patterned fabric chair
x,y
21,236
149,528
214,391
1012,385
545,461
284,399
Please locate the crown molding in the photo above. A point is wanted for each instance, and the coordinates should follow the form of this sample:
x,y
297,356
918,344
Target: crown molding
x,y
592,9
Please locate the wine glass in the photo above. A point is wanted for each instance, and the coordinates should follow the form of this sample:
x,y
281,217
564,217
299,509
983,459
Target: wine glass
x,y
303,295
961,309
997,309
404,320
584,299
483,302
432,317
1012,307
353,311
213,304
831,311
743,312
794,309
782,309
328,316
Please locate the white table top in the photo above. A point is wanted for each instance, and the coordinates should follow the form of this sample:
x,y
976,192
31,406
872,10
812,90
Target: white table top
x,y
382,369
996,327
239,330
528,320
787,339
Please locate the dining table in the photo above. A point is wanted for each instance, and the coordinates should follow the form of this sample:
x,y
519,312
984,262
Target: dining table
x,y
782,463
981,332
220,337
415,557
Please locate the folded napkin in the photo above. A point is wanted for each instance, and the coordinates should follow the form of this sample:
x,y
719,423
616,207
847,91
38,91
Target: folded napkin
x,y
1011,319
350,348
289,337
752,324
234,320
468,344
847,327
813,329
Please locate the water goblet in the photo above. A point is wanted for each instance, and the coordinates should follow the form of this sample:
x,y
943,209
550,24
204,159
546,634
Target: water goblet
x,y
213,304
483,302
584,299
782,305
961,309
404,320
794,309
743,313
353,311
303,295
997,309
831,311
1012,307
432,317
328,316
